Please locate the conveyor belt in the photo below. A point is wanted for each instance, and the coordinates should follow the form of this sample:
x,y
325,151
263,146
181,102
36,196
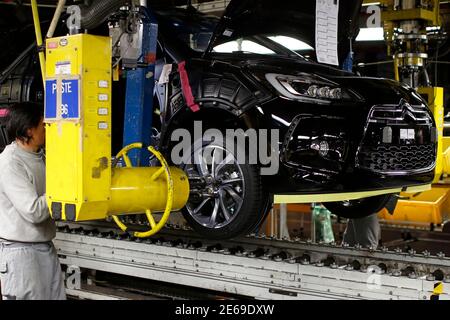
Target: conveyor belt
x,y
257,267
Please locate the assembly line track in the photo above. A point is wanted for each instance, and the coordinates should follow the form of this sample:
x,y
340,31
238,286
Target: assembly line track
x,y
256,266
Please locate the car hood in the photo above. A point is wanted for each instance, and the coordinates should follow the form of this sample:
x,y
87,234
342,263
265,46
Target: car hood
x,y
372,90
290,18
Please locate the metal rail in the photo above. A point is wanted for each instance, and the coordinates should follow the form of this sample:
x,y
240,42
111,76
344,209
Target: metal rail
x,y
258,267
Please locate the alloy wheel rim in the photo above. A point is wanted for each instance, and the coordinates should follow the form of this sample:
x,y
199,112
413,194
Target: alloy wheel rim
x,y
224,190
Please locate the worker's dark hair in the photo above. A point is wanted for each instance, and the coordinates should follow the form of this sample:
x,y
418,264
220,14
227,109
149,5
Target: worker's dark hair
x,y
21,117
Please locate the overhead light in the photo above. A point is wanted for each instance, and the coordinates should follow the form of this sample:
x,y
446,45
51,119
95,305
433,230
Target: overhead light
x,y
370,34
242,46
291,43
371,4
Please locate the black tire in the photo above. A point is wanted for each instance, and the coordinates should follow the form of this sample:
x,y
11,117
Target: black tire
x,y
248,215
356,209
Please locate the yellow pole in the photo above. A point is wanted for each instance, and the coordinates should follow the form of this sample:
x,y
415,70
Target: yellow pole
x,y
37,29
397,75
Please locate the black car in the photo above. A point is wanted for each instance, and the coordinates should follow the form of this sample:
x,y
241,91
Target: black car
x,y
338,133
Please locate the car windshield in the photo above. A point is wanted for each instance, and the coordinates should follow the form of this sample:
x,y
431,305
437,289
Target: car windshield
x,y
266,45
195,30
198,41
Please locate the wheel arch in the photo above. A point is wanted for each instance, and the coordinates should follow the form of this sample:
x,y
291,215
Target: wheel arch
x,y
213,115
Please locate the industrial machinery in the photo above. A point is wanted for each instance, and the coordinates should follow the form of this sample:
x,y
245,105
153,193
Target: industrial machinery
x,y
86,183
255,266
232,202
407,30
411,27
83,180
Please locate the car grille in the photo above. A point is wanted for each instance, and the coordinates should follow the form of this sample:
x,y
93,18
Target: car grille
x,y
391,159
386,150
398,114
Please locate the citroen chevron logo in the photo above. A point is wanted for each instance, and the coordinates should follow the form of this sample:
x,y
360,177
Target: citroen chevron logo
x,y
407,110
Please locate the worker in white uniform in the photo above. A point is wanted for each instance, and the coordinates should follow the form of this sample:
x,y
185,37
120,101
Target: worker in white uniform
x,y
29,265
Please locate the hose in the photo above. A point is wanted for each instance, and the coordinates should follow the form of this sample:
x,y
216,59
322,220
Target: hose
x,y
98,12
57,15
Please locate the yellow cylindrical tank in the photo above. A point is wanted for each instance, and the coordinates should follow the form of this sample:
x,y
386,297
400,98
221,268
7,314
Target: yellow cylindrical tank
x,y
134,191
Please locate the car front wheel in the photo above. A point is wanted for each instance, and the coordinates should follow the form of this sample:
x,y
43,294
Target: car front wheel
x,y
227,197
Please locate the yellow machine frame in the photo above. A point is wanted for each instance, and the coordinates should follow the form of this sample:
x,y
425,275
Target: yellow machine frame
x,y
82,183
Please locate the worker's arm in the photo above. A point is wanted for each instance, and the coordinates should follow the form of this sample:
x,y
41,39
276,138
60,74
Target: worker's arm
x,y
22,194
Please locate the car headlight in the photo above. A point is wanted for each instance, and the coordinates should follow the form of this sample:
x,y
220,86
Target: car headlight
x,y
310,88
